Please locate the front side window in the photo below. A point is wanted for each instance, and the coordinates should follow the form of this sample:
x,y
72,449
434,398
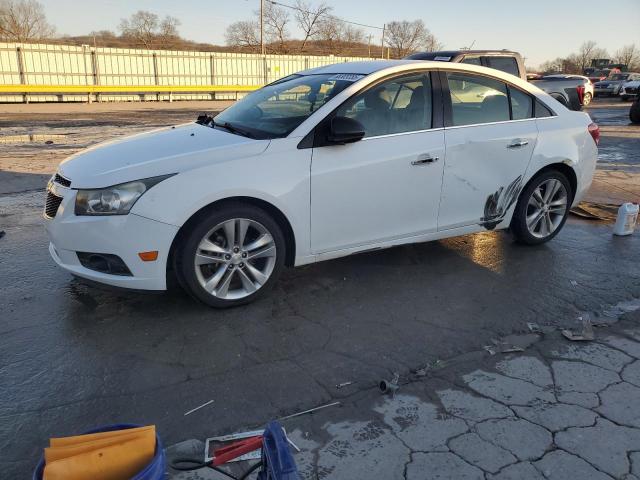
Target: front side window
x,y
276,110
477,99
399,105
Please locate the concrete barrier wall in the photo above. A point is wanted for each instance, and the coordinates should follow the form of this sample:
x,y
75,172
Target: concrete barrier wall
x,y
32,72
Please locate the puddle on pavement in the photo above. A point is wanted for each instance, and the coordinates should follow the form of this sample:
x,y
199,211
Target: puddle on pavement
x,y
31,138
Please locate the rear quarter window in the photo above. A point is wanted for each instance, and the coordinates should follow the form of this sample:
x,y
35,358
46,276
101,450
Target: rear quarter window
x,y
542,111
505,64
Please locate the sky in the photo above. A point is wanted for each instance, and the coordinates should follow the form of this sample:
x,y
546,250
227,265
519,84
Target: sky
x,y
539,29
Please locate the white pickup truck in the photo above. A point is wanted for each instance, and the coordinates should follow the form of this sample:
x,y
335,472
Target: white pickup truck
x,y
569,92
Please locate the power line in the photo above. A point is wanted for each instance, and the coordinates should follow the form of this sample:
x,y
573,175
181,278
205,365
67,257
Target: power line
x,y
293,7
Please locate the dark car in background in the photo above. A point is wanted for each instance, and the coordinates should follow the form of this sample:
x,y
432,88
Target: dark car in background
x,y
613,84
569,92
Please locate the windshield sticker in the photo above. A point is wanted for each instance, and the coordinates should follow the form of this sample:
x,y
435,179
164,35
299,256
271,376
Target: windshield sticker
x,y
442,59
348,77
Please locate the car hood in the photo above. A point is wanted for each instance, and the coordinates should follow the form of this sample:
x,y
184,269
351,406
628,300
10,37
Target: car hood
x,y
158,152
632,83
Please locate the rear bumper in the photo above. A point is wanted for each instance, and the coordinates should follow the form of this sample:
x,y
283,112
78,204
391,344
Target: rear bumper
x,y
121,235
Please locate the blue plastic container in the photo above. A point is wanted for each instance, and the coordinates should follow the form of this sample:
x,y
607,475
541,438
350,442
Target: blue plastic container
x,y
154,471
277,461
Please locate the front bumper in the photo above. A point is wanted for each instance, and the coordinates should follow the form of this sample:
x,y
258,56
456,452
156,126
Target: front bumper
x,y
121,235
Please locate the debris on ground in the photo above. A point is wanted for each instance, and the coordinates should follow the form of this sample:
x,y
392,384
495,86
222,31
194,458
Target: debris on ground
x,y
344,384
390,386
538,329
311,410
573,283
198,408
586,334
595,211
2,233
435,365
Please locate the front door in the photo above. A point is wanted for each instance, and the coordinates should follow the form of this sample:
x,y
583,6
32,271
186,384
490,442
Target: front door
x,y
489,145
387,185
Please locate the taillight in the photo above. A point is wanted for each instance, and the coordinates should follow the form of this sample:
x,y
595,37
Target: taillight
x,y
594,131
580,89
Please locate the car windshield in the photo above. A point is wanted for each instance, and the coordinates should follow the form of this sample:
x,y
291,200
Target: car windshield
x,y
618,77
277,109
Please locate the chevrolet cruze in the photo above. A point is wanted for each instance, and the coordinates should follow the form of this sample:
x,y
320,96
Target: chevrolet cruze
x,y
325,163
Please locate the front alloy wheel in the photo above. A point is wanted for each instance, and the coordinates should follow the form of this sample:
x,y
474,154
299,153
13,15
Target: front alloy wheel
x,y
542,208
235,258
231,256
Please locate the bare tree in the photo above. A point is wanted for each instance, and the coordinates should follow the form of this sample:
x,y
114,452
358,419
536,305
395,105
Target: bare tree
x,y
141,26
23,20
309,19
243,34
147,29
587,52
404,37
167,33
276,20
627,55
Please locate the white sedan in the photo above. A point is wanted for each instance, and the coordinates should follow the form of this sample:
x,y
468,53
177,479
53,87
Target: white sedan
x,y
329,162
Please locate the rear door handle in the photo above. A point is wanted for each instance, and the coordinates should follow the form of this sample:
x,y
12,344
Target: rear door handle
x,y
424,159
518,144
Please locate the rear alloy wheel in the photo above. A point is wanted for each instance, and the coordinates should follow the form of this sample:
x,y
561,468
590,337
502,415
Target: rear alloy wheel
x,y
586,100
232,257
542,208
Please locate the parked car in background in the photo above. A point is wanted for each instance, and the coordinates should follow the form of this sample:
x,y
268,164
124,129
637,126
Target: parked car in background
x,y
629,90
325,163
634,112
588,85
570,93
613,84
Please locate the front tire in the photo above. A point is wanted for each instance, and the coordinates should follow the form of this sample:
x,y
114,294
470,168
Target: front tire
x,y
542,208
231,255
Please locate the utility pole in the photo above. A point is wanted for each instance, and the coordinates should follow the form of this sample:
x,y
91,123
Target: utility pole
x,y
384,29
262,27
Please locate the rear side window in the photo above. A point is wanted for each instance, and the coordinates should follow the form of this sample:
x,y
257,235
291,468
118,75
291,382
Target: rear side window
x,y
505,64
477,99
521,104
472,60
542,111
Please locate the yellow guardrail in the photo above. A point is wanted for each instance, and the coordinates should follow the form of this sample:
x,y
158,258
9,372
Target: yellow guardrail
x,y
84,89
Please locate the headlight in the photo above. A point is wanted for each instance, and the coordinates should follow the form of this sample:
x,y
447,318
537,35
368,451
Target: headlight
x,y
115,200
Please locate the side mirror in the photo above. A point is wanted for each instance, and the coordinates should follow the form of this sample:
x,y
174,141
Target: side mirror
x,y
345,130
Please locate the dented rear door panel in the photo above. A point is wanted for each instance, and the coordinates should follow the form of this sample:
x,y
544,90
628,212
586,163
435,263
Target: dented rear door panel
x,y
484,172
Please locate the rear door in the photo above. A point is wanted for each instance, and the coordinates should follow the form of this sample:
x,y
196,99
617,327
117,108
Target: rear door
x,y
490,136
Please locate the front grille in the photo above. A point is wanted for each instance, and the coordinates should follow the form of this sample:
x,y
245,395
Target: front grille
x,y
62,181
52,204
631,90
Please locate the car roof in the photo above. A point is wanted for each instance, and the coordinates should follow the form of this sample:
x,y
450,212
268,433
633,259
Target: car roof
x,y
361,68
455,53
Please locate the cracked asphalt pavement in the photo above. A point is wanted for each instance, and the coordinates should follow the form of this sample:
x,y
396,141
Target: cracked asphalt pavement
x,y
74,356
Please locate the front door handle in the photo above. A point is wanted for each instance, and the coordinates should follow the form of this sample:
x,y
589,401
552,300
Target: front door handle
x,y
518,144
424,159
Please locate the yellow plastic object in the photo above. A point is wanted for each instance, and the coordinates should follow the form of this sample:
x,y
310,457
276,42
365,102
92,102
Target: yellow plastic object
x,y
89,437
116,457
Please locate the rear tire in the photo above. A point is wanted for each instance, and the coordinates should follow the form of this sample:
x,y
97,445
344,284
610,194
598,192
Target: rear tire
x,y
231,255
542,208
587,99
